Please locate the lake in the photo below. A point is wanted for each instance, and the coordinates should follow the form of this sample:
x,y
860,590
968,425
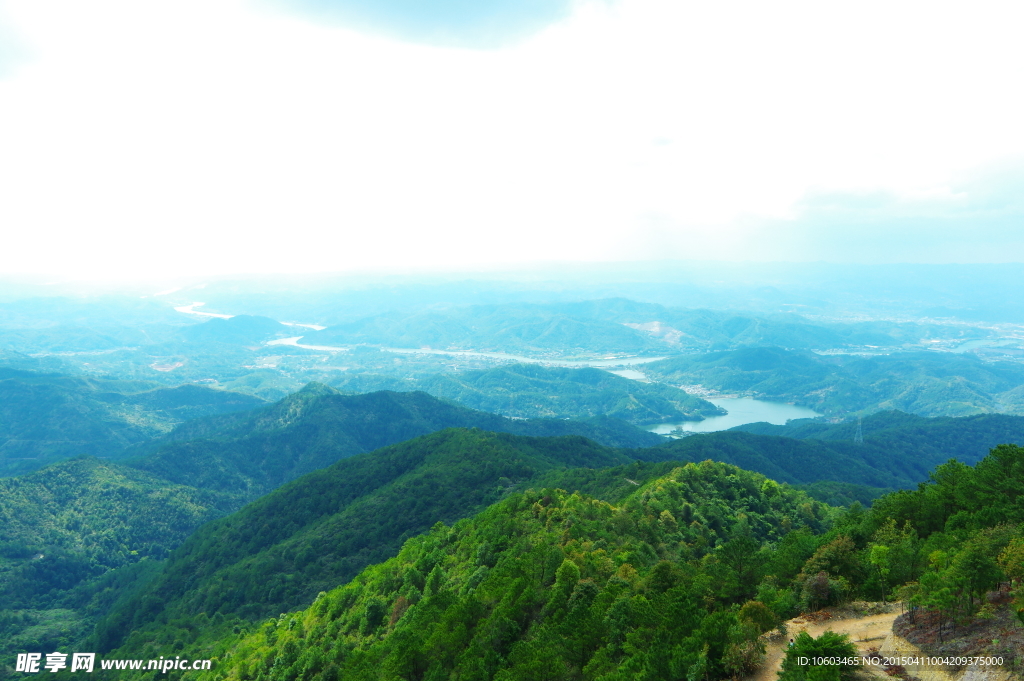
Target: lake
x,y
741,410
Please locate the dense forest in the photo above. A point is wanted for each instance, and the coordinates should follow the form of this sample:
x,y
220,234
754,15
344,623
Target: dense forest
x,y
675,580
321,529
103,564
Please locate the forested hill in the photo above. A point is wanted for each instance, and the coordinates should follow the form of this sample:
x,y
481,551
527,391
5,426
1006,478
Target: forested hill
x,y
75,520
552,585
675,581
250,454
233,580
50,417
320,530
834,469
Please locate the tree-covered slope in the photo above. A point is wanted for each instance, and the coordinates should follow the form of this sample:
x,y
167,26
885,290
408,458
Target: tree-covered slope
x,y
320,530
795,461
532,391
50,417
675,581
77,519
925,383
552,585
251,454
835,469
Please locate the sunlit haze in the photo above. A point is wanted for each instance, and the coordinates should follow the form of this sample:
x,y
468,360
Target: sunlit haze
x,y
141,138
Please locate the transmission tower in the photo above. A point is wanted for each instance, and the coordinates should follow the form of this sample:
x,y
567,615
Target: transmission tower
x,y
859,437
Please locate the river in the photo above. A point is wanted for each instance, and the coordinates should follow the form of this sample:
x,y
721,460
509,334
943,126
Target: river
x,y
294,341
600,362
741,410
190,309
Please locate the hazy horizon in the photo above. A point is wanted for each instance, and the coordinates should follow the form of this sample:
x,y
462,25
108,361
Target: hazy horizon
x,y
237,136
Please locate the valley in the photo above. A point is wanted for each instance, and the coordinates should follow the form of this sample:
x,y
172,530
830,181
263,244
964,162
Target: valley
x,y
362,500
485,340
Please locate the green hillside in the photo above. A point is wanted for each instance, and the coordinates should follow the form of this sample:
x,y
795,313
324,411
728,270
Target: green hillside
x,y
79,518
533,391
675,581
124,524
838,470
76,536
925,383
552,585
51,417
249,454
320,530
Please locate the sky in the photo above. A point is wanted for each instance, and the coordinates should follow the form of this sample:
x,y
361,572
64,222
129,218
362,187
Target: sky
x,y
142,138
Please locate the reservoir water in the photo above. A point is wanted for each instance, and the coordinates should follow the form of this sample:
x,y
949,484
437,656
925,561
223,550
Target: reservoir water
x,y
741,410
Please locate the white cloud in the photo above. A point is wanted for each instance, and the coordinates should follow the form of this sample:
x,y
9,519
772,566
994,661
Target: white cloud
x,y
209,136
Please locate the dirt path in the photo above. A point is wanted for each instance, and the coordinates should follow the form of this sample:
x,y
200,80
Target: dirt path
x,y
866,632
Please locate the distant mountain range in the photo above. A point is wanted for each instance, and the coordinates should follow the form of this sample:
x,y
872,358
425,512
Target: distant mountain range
x,y
612,325
170,348
321,529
